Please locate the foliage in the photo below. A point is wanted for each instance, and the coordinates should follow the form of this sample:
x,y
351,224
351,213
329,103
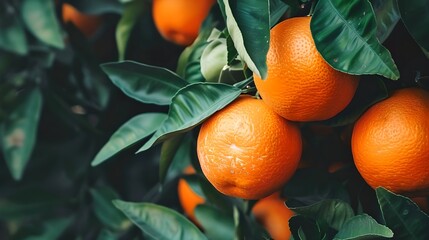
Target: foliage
x,y
96,130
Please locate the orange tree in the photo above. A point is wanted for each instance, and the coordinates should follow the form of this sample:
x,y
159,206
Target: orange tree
x,y
101,115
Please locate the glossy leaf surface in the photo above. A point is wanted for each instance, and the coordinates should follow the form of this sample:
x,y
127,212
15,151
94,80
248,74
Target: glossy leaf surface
x,y
345,33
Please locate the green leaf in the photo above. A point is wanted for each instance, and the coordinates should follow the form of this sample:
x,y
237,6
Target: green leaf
x,y
277,10
332,212
159,222
188,66
303,227
52,229
213,59
106,234
18,132
12,35
248,23
130,133
144,83
168,151
181,156
345,33
106,211
40,18
387,16
217,224
246,226
362,227
415,15
402,215
132,12
191,106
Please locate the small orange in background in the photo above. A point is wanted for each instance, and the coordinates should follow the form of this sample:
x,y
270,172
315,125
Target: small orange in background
x,y
248,151
179,21
274,215
301,85
87,24
390,143
189,199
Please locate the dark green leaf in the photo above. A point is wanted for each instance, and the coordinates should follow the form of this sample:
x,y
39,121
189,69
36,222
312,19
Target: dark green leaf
x,y
402,215
132,12
242,84
277,10
144,83
302,227
415,15
18,132
217,224
345,33
387,16
309,186
168,151
130,133
194,181
333,213
106,211
248,23
40,18
12,36
182,157
105,234
52,229
363,227
246,226
371,90
159,222
191,106
188,66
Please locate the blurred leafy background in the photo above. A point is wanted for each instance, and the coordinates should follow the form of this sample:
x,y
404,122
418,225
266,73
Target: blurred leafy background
x,y
58,108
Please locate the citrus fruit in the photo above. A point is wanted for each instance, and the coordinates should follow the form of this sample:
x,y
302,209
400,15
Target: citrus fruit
x,y
300,85
188,199
274,215
87,24
179,21
248,151
390,143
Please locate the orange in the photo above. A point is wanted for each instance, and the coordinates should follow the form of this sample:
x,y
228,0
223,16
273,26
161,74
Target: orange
x,y
87,24
188,199
179,21
390,143
248,151
300,85
273,214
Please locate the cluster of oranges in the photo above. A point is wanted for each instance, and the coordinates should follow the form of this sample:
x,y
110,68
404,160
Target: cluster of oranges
x,y
252,147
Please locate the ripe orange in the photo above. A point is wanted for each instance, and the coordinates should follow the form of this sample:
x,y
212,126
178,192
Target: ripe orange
x,y
390,143
188,199
274,215
179,21
248,151
88,24
300,85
